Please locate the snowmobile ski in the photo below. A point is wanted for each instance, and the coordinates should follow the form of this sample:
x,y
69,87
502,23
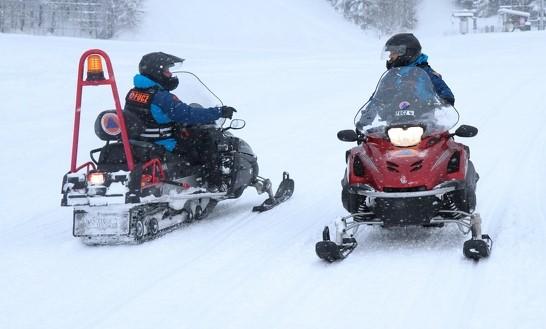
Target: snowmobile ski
x,y
477,249
331,251
284,192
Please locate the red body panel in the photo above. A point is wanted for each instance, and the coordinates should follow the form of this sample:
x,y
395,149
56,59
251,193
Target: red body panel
x,y
422,166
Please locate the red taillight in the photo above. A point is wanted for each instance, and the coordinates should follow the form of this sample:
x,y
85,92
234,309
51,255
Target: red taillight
x,y
146,180
152,173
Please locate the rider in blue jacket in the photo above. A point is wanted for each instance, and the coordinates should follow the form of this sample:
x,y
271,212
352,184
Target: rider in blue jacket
x,y
405,50
157,108
159,111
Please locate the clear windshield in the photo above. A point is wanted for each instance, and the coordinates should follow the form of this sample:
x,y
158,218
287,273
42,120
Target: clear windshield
x,y
192,91
405,97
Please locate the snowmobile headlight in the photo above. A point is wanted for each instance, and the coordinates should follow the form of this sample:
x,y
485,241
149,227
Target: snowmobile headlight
x,y
405,137
96,178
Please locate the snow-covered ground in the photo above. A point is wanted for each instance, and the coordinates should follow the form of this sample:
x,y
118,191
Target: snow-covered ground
x,y
239,269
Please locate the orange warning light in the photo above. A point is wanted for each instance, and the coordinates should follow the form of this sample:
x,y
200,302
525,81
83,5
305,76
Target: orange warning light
x,y
94,68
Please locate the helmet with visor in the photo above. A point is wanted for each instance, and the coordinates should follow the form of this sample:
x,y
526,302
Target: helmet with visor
x,y
401,49
161,68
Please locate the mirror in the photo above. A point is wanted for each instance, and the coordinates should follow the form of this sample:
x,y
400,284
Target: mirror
x,y
466,131
347,135
237,124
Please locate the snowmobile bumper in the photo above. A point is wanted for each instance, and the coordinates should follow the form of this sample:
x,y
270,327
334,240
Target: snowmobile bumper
x,y
396,208
135,223
368,191
101,221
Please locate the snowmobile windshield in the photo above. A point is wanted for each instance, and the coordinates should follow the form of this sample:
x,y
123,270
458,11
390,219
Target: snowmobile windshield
x,y
405,97
192,91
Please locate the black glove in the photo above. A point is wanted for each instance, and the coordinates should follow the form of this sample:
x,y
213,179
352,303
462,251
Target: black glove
x,y
227,112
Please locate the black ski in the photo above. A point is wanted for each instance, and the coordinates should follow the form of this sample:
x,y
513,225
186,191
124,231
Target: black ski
x,y
478,248
330,251
284,192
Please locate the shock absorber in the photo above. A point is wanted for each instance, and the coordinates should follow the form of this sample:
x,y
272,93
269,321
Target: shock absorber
x,y
449,204
362,207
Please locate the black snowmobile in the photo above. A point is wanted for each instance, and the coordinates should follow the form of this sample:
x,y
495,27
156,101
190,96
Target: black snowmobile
x,y
132,191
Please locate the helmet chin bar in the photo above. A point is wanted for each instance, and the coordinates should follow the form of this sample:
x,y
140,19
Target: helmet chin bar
x,y
170,83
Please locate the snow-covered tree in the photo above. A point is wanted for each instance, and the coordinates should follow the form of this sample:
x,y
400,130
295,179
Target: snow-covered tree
x,y
92,18
386,16
486,8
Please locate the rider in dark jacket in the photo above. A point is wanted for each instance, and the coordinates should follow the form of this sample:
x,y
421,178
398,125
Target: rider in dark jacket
x,y
157,108
405,50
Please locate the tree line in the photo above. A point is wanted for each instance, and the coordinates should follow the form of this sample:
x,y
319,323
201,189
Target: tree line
x,y
384,16
388,16
486,8
87,18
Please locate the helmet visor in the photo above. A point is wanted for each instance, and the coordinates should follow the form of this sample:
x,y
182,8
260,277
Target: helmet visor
x,y
393,50
173,70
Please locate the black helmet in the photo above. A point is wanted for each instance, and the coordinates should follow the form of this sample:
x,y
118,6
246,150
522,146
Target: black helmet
x,y
156,67
406,45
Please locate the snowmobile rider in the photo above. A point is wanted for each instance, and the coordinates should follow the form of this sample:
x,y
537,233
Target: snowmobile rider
x,y
159,110
405,50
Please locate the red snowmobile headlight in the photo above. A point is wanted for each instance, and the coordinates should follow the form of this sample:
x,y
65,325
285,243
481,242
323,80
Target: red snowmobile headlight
x,y
96,178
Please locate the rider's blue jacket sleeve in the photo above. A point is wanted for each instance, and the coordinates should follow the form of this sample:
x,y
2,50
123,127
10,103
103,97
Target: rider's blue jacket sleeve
x,y
440,86
177,111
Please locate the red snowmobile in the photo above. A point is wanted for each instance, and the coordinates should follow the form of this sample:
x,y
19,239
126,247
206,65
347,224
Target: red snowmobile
x,y
133,191
407,169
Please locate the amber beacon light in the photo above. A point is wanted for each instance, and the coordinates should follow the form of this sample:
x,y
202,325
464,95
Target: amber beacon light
x,y
94,68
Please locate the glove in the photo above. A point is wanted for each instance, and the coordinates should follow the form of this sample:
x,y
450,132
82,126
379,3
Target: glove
x,y
227,112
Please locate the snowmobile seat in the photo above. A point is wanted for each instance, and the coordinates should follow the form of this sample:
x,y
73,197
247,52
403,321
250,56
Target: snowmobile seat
x,y
112,155
107,126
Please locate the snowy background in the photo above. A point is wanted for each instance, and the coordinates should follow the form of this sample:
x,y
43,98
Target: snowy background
x,y
297,73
